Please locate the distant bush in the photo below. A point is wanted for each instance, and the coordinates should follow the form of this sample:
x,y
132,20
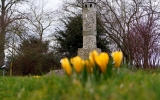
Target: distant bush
x,y
33,58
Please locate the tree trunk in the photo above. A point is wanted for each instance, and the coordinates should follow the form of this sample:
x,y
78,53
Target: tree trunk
x,y
145,63
2,33
2,54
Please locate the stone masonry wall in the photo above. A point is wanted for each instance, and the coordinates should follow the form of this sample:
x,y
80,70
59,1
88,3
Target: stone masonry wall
x,y
89,41
84,53
89,30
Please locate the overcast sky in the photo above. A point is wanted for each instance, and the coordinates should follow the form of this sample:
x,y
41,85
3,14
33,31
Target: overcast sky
x,y
54,3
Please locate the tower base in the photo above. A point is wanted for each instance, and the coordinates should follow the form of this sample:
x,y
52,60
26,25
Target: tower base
x,y
84,53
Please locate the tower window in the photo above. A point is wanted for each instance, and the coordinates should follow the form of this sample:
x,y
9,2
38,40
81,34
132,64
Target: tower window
x,y
90,5
85,6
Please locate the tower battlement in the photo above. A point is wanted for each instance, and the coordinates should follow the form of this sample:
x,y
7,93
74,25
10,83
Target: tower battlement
x,y
89,4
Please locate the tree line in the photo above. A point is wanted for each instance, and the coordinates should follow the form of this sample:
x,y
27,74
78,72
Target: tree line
x,y
130,26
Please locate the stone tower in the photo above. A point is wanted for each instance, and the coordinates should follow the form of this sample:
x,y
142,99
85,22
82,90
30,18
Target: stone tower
x,y
89,29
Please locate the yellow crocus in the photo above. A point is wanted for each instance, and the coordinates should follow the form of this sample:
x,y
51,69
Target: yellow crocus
x,y
66,66
117,58
78,63
36,76
92,56
88,66
102,61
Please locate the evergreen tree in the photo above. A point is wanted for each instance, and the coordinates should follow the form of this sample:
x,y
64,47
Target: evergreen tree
x,y
71,38
33,58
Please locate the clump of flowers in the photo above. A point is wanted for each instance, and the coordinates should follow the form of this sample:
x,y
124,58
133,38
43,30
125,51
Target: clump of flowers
x,y
98,66
36,76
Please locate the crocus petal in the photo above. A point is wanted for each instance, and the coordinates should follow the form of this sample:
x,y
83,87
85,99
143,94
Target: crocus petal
x,y
102,61
78,63
88,66
117,58
92,56
66,66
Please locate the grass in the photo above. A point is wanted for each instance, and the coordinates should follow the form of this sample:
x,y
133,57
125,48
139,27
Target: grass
x,y
137,85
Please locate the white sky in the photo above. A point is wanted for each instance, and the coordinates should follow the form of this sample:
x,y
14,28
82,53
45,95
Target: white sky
x,y
54,3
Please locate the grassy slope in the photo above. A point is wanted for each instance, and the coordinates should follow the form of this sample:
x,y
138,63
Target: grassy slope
x,y
124,86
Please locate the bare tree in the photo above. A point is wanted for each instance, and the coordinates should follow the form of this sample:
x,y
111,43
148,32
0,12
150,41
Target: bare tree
x,y
38,18
142,42
8,14
36,21
118,16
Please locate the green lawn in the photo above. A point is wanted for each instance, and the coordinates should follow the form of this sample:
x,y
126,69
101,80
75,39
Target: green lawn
x,y
138,85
